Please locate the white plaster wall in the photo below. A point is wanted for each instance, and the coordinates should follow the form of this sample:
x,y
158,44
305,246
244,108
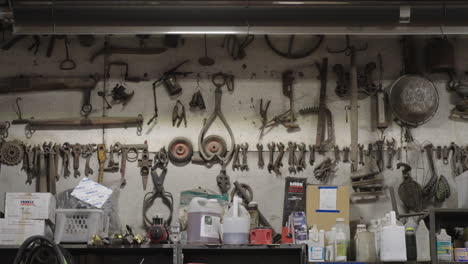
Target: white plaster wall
x,y
240,109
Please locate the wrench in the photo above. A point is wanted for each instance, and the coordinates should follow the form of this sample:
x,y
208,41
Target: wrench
x,y
361,154
235,163
31,158
56,162
292,157
87,153
244,148
301,164
279,160
49,150
379,155
112,166
271,148
445,155
76,152
261,162
439,152
65,151
42,170
345,154
391,152
312,149
336,151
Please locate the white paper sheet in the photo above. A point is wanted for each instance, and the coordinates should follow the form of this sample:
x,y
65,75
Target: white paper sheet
x,y
91,192
327,199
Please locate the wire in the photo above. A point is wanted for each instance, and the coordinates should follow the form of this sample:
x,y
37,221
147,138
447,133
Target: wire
x,y
40,249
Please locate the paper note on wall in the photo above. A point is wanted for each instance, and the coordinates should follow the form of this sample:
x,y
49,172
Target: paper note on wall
x,y
327,199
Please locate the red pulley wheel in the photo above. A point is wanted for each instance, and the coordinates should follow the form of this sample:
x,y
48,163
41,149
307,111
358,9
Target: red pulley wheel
x,y
180,151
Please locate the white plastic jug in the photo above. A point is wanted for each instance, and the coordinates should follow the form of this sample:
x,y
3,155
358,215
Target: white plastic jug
x,y
365,245
204,221
236,224
316,245
422,242
444,246
392,241
375,229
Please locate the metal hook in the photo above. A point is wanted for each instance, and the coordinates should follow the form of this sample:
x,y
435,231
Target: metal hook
x,y
198,82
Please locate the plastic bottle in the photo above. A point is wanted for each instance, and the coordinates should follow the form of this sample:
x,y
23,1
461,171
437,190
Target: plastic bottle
x,y
392,241
365,245
342,239
375,229
330,244
444,246
236,224
410,239
422,242
316,245
203,221
252,207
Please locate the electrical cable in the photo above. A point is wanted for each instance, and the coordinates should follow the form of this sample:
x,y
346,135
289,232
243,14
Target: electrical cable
x,y
40,249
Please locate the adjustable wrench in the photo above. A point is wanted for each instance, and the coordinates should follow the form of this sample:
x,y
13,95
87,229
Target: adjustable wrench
x,y
301,164
271,148
312,149
76,152
292,157
391,152
244,149
261,162
279,160
87,153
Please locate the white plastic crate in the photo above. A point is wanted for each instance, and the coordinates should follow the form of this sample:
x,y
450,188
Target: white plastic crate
x,y
79,225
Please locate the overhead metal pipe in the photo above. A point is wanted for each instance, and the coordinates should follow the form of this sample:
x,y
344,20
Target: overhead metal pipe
x,y
241,16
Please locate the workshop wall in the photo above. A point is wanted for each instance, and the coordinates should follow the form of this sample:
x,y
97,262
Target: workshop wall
x,y
257,76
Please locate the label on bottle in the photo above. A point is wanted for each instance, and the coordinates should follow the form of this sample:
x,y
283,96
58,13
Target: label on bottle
x,y
444,249
316,254
209,226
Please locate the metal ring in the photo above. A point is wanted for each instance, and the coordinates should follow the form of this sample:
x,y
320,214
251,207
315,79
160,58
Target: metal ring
x,y
133,151
219,79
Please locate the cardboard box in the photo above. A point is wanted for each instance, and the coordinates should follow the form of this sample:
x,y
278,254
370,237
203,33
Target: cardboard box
x,y
325,204
15,231
30,206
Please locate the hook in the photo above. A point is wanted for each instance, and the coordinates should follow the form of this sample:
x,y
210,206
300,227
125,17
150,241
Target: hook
x,y
198,82
348,49
20,116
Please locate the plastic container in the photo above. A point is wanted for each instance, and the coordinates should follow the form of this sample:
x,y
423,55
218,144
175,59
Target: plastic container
x,y
365,245
330,244
375,229
444,246
342,238
79,225
392,241
422,242
203,221
316,245
411,249
236,224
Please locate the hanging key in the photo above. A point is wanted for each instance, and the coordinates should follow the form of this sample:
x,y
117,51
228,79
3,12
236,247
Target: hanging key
x,y
76,152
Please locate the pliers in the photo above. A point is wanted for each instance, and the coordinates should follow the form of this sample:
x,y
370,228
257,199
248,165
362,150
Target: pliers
x,y
179,115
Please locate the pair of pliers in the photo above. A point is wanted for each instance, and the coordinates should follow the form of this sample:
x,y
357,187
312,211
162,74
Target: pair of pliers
x,y
179,115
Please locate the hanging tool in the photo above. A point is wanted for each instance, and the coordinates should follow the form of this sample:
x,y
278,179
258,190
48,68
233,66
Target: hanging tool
x,y
290,53
125,150
236,46
429,189
288,91
101,149
325,118
161,161
155,106
336,153
381,99
197,98
110,50
180,151
205,60
261,162
169,79
65,152
361,154
67,64
244,150
312,149
4,126
351,50
264,115
178,114
86,153
271,149
11,152
76,153
301,164
112,166
279,159
345,155
380,154
20,119
145,164
235,159
292,157
325,170
390,152
410,192
51,177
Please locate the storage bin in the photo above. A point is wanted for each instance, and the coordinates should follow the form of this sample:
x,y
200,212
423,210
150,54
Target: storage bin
x,y
79,225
